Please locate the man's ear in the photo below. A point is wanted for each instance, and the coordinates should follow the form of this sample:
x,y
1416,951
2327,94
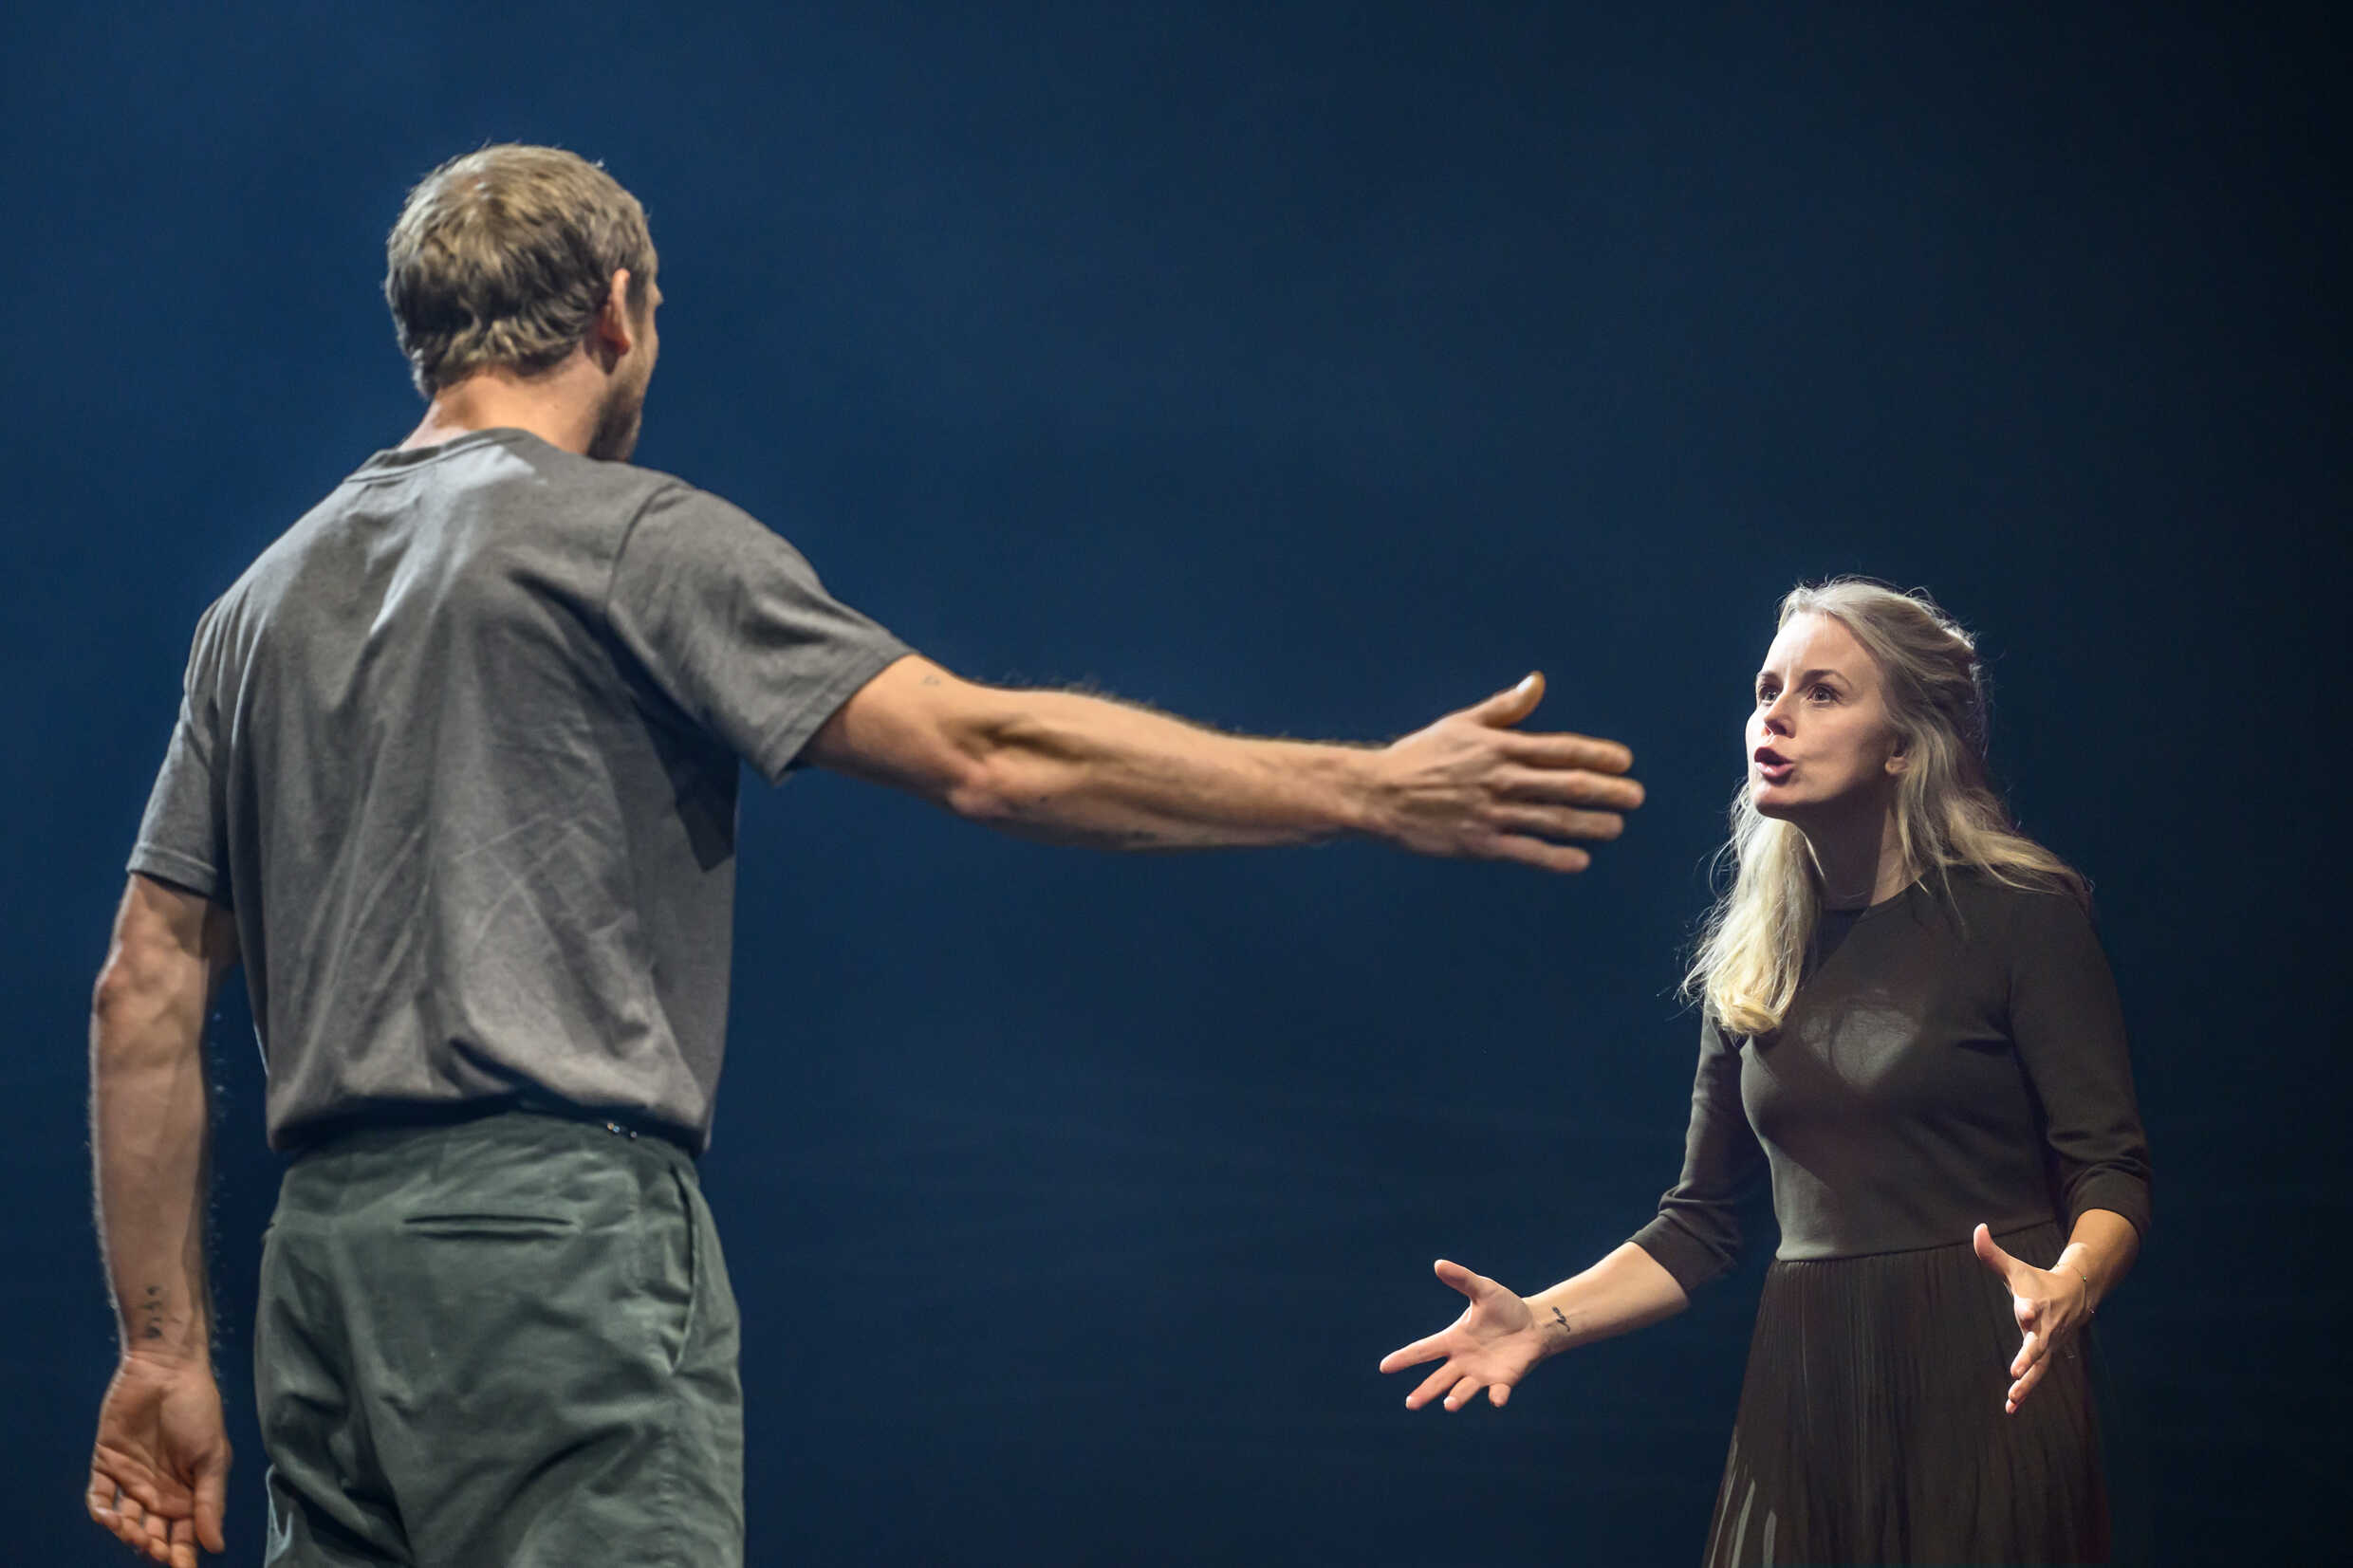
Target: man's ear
x,y
615,332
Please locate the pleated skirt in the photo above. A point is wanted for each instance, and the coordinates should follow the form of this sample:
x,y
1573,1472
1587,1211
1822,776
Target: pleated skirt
x,y
1871,1428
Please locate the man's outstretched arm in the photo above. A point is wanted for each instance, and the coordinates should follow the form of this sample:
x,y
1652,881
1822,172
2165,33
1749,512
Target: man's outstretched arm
x,y
160,1468
1078,769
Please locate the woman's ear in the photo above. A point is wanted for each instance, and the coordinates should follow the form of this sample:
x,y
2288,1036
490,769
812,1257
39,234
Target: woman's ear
x,y
1899,758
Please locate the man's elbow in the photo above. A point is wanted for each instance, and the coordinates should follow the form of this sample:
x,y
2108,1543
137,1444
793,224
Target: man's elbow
x,y
987,787
132,996
1006,771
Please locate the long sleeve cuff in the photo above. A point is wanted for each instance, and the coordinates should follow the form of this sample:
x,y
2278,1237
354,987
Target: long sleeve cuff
x,y
1691,1261
2114,1190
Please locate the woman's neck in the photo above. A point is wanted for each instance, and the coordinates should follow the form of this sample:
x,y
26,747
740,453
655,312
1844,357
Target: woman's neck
x,y
1861,861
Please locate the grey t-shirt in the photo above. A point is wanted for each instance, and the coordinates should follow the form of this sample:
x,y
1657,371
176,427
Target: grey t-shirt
x,y
460,749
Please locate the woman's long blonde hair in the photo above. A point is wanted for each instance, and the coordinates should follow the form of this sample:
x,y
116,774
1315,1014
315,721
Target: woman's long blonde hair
x,y
1752,951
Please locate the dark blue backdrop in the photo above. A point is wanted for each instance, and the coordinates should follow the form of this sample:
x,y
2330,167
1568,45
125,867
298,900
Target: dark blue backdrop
x,y
1307,368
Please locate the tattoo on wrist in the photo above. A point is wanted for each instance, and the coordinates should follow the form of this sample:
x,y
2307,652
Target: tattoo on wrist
x,y
1566,1326
151,1308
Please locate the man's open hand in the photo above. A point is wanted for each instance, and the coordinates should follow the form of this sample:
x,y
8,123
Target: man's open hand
x,y
1472,784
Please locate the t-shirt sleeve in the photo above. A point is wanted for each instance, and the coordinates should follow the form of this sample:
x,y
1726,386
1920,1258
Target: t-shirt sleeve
x,y
733,626
2068,1027
183,839
1696,1236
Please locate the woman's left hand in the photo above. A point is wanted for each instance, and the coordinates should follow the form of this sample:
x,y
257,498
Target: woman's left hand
x,y
2051,1305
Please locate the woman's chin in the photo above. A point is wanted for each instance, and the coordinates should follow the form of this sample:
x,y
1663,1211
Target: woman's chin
x,y
1773,800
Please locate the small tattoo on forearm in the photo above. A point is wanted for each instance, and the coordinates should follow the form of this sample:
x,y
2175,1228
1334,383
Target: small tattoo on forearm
x,y
1562,1321
152,1306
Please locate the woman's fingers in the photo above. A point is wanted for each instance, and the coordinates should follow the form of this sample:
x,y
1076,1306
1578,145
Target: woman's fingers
x,y
1408,1356
1990,1254
1432,1386
2030,1350
1454,1275
1497,1393
1462,1393
1477,1286
2023,1387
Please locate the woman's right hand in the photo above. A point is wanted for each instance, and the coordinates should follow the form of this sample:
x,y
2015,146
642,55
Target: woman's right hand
x,y
1491,1346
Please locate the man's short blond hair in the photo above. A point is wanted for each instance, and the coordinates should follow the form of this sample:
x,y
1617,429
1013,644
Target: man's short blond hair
x,y
503,257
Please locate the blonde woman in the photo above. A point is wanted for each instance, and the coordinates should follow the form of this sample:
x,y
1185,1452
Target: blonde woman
x,y
1909,1025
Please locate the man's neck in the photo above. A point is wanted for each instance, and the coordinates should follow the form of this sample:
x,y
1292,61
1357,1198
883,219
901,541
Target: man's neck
x,y
559,407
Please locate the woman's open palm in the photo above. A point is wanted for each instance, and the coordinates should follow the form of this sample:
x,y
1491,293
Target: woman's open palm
x,y
1490,1346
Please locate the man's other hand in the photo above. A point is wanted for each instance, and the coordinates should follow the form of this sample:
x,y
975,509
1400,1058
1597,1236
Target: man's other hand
x,y
159,1469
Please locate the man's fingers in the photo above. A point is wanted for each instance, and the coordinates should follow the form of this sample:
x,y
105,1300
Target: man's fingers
x,y
1521,782
1510,706
130,1527
1536,852
137,1487
212,1503
1560,751
1557,821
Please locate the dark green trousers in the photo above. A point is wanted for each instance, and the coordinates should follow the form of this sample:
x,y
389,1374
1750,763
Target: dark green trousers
x,y
505,1343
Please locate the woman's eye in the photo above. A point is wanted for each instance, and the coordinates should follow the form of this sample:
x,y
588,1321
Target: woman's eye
x,y
1823,691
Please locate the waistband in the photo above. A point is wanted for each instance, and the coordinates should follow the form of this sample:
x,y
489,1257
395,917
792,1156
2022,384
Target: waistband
x,y
314,1135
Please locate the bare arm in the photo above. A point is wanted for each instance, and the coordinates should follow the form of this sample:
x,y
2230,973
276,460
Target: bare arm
x,y
160,1466
149,1125
1072,768
2101,1252
1627,1290
1500,1338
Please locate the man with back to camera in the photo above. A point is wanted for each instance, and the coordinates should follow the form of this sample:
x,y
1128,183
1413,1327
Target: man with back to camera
x,y
454,778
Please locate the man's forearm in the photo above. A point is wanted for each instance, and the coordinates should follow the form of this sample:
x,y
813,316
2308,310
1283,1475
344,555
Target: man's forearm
x,y
149,1127
1078,769
149,1137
